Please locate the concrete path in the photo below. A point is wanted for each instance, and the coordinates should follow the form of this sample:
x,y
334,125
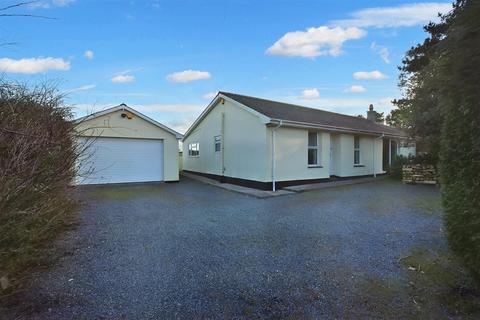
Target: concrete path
x,y
283,191
262,194
332,184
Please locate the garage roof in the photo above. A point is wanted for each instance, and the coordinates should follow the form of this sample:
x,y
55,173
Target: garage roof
x,y
123,106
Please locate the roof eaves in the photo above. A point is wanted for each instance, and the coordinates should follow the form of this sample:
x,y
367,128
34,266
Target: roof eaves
x,y
127,108
334,128
201,117
213,103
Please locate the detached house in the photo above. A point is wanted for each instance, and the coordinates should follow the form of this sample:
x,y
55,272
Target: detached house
x,y
267,144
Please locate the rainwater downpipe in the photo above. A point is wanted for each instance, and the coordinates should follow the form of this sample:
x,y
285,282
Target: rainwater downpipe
x,y
274,130
374,141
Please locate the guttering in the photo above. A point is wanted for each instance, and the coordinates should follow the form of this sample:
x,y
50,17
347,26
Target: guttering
x,y
274,130
307,125
373,158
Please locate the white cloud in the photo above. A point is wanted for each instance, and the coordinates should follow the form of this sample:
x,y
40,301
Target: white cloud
x,y
356,89
405,15
82,88
38,5
382,51
88,54
309,94
314,42
372,75
181,125
33,65
49,4
169,108
385,54
123,78
62,3
209,96
188,75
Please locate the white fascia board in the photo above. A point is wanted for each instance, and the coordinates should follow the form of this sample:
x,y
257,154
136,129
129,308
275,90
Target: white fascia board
x,y
201,116
135,112
262,117
213,103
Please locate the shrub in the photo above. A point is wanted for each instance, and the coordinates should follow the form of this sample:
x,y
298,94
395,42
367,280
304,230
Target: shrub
x,y
37,165
395,169
458,80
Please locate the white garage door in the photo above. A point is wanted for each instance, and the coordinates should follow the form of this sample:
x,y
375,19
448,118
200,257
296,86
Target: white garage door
x,y
118,160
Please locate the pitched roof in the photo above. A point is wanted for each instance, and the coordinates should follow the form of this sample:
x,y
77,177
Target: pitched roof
x,y
295,113
123,106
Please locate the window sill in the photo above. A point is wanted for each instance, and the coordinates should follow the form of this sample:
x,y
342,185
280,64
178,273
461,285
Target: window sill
x,y
358,165
315,166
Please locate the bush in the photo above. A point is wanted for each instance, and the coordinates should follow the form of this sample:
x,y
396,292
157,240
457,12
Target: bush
x,y
37,165
395,169
458,81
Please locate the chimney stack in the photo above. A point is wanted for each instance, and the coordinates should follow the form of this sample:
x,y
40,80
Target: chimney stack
x,y
371,113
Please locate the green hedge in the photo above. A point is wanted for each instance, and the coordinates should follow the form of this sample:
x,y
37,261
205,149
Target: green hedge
x,y
459,79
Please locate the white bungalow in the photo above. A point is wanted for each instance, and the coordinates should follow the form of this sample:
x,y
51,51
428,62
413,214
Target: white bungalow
x,y
267,144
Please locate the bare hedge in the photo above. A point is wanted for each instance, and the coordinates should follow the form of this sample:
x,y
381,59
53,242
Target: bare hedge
x,y
37,167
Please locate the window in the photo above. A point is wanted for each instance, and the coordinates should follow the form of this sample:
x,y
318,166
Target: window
x,y
217,140
194,149
313,149
356,150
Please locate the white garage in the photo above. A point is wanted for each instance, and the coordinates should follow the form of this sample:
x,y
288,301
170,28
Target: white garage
x,y
124,146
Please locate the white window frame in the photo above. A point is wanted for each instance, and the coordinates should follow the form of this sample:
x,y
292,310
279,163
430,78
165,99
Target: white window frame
x,y
357,149
317,148
194,149
217,140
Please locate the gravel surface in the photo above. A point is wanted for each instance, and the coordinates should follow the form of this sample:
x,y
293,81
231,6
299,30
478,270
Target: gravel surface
x,y
190,250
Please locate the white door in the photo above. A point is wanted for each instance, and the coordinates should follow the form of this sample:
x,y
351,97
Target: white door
x,y
119,160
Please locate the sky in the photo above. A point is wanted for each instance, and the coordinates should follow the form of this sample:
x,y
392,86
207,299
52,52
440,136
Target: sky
x,y
167,59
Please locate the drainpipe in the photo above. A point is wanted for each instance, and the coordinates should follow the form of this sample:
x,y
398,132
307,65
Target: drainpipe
x,y
390,152
374,141
274,130
222,145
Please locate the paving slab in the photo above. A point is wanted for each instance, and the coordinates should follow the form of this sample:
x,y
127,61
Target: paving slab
x,y
262,194
332,184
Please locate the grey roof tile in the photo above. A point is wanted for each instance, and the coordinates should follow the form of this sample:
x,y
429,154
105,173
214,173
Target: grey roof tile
x,y
291,112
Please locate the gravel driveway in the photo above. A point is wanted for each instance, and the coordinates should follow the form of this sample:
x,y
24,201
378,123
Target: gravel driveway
x,y
190,250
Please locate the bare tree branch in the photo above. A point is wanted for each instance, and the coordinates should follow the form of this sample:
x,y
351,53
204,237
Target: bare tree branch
x,y
26,15
20,4
3,44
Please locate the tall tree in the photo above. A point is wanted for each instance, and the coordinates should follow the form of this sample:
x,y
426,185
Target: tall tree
x,y
418,110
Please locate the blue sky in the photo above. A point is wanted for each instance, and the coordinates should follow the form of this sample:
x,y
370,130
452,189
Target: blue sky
x,y
167,58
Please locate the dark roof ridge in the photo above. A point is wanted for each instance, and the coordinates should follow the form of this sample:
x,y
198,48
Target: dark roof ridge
x,y
296,113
